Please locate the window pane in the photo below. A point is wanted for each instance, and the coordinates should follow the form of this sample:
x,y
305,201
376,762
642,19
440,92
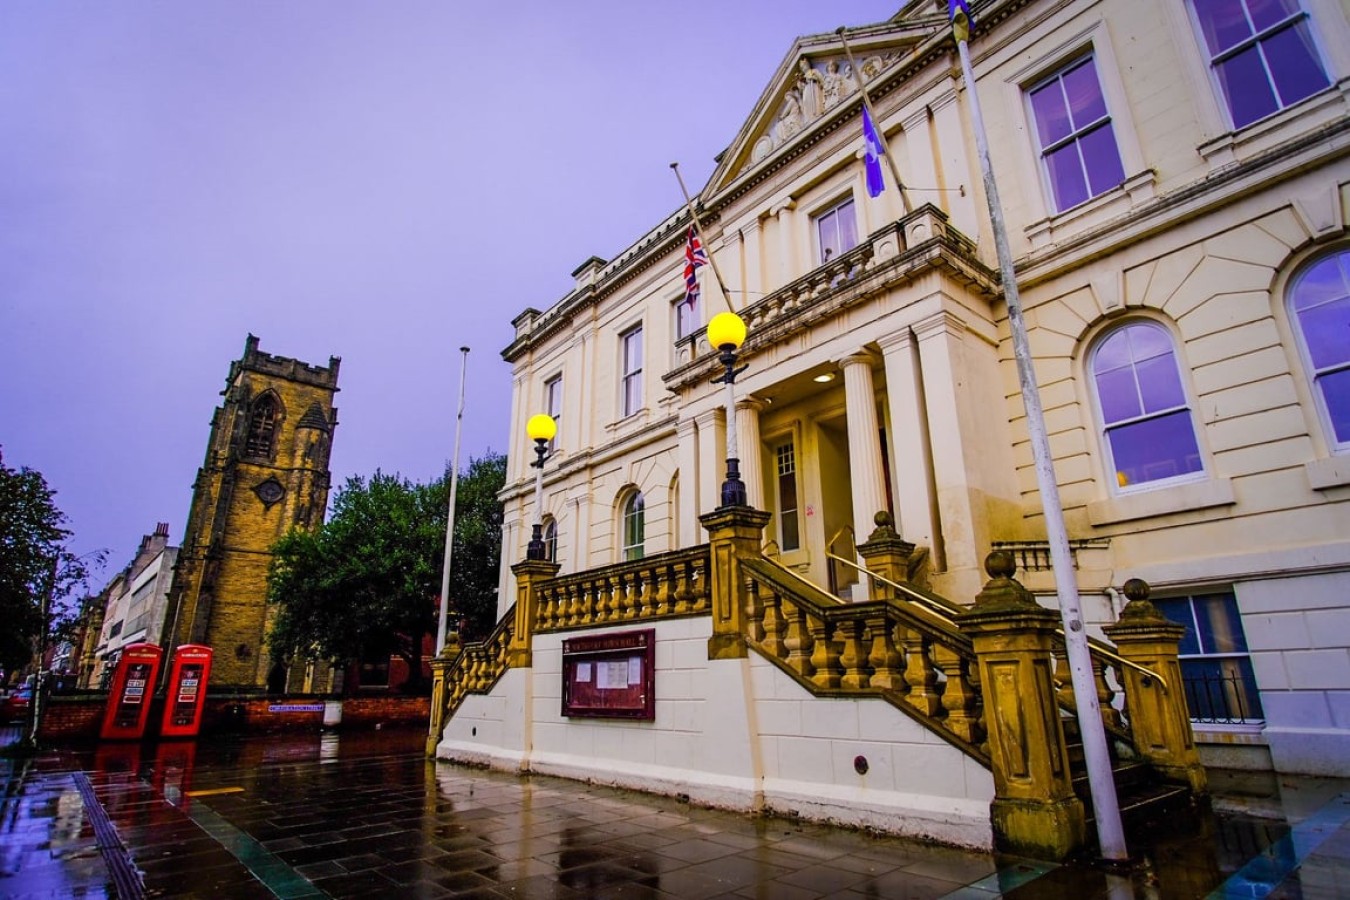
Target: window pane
x,y
1147,341
1246,87
1102,158
1266,13
1179,611
1220,624
1324,280
1223,23
1154,449
829,236
1066,176
1294,64
1114,352
1160,384
1326,331
1221,690
1118,395
1335,388
848,227
1052,116
1086,104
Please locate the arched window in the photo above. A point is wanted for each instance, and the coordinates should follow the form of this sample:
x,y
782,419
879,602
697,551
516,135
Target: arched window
x,y
634,526
262,426
551,540
1319,306
1148,432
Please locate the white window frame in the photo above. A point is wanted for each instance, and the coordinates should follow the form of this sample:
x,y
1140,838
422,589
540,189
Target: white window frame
x,y
825,212
790,444
633,507
1087,57
1310,372
1208,61
1104,439
553,388
630,378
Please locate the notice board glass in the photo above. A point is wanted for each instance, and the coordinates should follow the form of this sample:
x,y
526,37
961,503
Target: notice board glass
x,y
610,676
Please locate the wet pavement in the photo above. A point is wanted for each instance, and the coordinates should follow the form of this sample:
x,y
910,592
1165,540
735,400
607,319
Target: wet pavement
x,y
365,815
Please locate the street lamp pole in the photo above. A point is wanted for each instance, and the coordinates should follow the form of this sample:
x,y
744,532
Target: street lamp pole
x,y
541,429
726,332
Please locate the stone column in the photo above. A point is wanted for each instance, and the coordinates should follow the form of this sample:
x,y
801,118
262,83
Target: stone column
x,y
787,251
753,279
686,454
911,460
440,671
954,440
1159,719
887,554
864,449
1035,812
735,533
712,457
748,446
529,573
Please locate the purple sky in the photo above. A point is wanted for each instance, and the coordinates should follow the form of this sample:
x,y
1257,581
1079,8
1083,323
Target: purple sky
x,y
383,182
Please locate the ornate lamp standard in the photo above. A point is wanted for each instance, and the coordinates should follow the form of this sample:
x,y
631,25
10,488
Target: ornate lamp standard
x,y
541,428
726,332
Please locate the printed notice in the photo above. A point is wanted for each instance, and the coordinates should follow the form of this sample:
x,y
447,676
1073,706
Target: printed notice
x,y
611,674
634,670
583,673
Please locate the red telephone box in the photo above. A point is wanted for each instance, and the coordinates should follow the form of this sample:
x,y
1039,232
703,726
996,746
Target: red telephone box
x,y
184,701
133,686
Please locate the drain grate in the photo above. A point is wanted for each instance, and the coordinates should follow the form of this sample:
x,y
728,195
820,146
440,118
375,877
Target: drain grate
x,y
126,879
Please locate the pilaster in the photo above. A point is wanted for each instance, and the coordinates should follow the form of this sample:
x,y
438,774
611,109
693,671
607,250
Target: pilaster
x,y
686,452
712,456
748,444
911,460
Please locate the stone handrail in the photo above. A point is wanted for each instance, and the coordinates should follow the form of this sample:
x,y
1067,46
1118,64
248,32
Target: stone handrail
x,y
666,585
479,666
918,663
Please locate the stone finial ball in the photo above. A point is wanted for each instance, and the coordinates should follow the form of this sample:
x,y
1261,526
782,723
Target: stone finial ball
x,y
1136,589
1000,564
882,519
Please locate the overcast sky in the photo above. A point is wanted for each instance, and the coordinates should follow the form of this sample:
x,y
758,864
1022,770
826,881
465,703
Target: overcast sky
x,y
379,181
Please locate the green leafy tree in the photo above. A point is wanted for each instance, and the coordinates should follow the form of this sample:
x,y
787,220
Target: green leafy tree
x,y
38,573
365,583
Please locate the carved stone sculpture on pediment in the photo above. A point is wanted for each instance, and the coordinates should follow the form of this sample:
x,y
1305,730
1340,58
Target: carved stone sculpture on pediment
x,y
814,92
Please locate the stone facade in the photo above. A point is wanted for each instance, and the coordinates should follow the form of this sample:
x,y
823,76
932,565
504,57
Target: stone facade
x,y
883,374
132,606
266,471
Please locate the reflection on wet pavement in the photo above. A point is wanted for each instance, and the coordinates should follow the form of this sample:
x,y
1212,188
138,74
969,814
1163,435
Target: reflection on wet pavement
x,y
364,814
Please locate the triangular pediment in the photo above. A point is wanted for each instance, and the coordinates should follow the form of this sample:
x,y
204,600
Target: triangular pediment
x,y
815,83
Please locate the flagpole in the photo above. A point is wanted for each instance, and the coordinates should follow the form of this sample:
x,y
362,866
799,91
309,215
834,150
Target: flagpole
x,y
450,516
703,238
876,123
1105,804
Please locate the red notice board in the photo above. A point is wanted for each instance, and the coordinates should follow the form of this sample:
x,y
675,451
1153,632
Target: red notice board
x,y
610,676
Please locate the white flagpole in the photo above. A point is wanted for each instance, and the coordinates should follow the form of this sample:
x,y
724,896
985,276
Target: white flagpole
x,y
1110,834
703,239
876,123
450,517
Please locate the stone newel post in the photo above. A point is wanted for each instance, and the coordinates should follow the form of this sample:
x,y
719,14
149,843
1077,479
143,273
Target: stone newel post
x,y
887,554
734,533
1159,719
529,573
440,670
1035,812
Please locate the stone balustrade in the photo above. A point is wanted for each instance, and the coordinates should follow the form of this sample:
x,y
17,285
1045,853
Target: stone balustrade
x,y
657,587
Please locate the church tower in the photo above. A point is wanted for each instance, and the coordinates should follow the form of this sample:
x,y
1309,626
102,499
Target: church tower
x,y
266,472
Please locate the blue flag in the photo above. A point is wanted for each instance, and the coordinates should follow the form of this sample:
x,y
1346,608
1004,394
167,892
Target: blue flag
x,y
872,157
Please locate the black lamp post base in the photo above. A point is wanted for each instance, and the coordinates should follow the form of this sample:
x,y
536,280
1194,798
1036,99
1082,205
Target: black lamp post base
x,y
536,549
733,489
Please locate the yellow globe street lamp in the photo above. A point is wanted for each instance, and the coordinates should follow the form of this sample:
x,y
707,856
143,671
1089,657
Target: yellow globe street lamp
x,y
726,332
541,429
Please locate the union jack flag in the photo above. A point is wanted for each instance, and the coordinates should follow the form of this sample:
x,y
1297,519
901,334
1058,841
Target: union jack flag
x,y
694,256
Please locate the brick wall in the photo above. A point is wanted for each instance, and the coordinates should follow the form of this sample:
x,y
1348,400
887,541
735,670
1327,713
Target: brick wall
x,y
79,717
